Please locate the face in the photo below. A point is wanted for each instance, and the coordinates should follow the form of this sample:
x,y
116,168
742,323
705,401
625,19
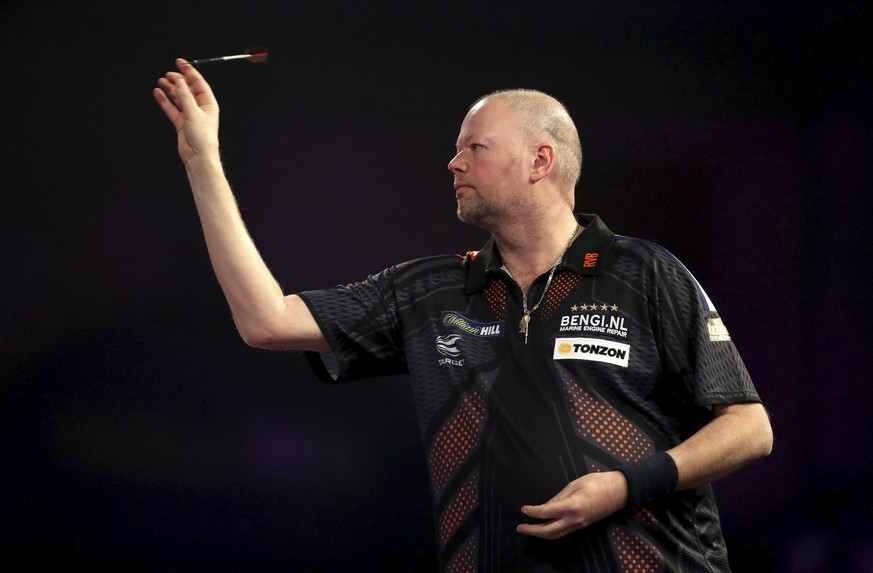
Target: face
x,y
489,167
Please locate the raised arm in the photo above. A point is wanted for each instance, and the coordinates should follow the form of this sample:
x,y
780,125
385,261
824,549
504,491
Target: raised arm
x,y
264,315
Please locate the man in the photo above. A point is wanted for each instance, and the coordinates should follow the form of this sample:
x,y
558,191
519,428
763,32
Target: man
x,y
577,391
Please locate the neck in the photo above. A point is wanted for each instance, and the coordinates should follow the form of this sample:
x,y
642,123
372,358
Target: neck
x,y
531,249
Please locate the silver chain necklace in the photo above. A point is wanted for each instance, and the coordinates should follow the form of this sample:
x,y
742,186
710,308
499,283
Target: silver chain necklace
x,y
524,325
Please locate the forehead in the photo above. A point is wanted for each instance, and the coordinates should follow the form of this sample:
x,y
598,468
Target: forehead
x,y
488,119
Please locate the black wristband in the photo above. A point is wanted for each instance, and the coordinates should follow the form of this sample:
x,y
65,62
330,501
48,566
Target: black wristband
x,y
649,478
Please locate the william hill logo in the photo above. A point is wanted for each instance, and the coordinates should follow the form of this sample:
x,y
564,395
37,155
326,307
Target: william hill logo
x,y
459,322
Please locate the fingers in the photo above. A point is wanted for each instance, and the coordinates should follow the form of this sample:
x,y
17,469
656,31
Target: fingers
x,y
195,83
168,107
554,529
577,506
167,95
183,99
554,514
182,94
186,87
187,100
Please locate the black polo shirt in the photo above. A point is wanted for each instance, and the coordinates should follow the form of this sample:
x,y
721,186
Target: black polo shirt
x,y
625,356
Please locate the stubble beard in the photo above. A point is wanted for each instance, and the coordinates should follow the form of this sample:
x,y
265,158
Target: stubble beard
x,y
492,208
489,214
473,212
479,212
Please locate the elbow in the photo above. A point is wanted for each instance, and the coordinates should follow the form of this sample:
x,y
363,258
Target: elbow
x,y
264,342
767,441
750,424
259,337
255,340
764,435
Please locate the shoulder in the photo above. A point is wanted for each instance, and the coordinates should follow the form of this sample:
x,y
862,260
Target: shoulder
x,y
642,248
428,265
666,271
423,272
653,264
647,256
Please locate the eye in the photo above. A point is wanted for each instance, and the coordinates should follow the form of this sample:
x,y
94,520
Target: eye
x,y
476,146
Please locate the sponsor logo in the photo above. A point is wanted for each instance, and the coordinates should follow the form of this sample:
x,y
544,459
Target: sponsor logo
x,y
718,332
590,260
593,350
598,322
461,323
448,347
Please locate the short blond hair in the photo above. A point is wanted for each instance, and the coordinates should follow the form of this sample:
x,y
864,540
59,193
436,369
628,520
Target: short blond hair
x,y
543,115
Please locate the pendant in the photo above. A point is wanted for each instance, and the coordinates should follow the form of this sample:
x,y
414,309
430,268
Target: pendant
x,y
524,325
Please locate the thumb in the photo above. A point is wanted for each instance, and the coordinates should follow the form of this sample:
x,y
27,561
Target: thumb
x,y
549,510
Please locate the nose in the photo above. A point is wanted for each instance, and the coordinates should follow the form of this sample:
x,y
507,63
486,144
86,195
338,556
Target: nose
x,y
457,164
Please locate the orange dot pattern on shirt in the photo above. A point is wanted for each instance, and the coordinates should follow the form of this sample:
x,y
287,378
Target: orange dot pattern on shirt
x,y
457,438
495,295
561,287
459,508
466,558
598,423
635,554
645,517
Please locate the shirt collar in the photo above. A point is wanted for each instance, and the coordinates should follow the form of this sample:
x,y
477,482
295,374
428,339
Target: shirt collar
x,y
585,256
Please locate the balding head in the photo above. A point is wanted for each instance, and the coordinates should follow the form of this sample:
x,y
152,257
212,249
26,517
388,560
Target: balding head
x,y
545,119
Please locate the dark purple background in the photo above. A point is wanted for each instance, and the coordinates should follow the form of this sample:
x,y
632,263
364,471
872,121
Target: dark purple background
x,y
139,433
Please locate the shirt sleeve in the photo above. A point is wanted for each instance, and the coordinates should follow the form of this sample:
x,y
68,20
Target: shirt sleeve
x,y
360,323
698,352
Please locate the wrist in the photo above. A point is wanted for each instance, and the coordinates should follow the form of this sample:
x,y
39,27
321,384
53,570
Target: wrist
x,y
650,478
204,162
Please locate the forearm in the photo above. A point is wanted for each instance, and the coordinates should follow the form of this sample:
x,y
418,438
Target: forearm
x,y
257,302
738,435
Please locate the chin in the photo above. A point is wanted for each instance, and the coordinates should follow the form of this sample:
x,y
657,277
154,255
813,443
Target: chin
x,y
466,215
473,217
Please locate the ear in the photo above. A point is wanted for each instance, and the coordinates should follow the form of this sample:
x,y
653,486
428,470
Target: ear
x,y
543,163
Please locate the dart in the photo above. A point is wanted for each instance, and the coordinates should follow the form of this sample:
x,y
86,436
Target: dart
x,y
254,55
